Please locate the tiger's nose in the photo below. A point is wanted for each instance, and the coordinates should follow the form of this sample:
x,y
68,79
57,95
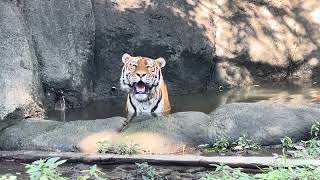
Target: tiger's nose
x,y
141,74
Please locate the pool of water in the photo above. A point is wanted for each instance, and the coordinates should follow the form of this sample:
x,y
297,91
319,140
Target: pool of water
x,y
206,102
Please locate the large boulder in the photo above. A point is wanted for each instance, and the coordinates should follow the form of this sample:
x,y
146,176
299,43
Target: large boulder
x,y
265,123
63,34
179,132
20,91
54,135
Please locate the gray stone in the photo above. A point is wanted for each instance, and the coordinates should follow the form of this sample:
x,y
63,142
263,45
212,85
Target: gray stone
x,y
54,135
20,88
183,127
265,123
152,30
63,37
262,122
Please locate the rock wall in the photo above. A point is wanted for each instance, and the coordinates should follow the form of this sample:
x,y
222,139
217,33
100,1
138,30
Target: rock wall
x,y
63,38
19,79
75,46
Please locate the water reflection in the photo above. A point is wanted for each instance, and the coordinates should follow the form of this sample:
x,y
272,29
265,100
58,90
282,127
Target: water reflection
x,y
295,94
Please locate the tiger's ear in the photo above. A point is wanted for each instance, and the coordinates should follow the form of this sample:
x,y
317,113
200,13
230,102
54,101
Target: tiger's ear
x,y
125,57
161,61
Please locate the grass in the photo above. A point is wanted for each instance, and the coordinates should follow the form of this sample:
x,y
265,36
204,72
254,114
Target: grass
x,y
244,143
8,177
309,148
48,170
222,145
117,148
148,172
223,172
92,173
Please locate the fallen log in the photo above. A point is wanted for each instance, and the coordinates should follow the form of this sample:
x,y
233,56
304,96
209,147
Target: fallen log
x,y
181,160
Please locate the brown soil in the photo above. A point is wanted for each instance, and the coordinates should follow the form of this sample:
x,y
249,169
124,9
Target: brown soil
x,y
126,171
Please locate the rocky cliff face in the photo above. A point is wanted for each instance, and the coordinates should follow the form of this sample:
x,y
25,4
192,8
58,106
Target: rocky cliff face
x,y
75,46
19,78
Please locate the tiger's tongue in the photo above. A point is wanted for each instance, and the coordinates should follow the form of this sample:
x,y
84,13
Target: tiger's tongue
x,y
140,88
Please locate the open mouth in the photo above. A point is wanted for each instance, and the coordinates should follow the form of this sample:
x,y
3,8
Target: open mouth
x,y
140,88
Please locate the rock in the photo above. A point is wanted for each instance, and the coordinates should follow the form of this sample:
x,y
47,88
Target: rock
x,y
265,123
231,75
53,135
73,49
20,91
207,46
144,28
63,34
182,127
176,133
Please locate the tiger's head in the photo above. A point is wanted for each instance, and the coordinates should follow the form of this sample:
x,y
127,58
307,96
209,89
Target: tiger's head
x,y
141,76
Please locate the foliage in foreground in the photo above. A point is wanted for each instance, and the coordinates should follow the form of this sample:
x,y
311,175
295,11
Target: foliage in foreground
x,y
8,177
45,169
222,145
244,143
307,149
272,173
147,172
48,170
92,173
117,148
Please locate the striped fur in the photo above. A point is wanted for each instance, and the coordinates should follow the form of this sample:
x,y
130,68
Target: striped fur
x,y
142,78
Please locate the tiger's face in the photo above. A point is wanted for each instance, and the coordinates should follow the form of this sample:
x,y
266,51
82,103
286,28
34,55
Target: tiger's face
x,y
141,76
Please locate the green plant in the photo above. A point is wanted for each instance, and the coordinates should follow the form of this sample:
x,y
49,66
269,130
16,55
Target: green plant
x,y
8,177
243,143
147,172
45,169
293,173
224,172
117,148
92,173
221,145
313,147
315,129
287,144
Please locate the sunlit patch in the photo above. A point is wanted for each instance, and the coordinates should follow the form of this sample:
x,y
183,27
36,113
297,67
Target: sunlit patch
x,y
148,143
316,15
313,62
316,99
123,5
89,143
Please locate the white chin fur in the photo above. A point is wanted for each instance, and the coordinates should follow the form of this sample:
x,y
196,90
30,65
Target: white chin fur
x,y
124,87
141,97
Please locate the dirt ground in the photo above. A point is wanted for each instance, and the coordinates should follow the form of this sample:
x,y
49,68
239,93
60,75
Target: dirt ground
x,y
127,171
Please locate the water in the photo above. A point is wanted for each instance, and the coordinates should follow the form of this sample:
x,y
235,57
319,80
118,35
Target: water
x,y
206,102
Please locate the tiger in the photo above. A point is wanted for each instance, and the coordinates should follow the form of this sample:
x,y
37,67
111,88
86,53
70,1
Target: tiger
x,y
142,79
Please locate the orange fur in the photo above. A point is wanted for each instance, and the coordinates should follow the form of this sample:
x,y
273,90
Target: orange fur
x,y
145,68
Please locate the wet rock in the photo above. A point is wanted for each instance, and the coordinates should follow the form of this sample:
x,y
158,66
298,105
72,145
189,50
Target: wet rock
x,y
20,87
144,28
63,38
54,135
265,123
